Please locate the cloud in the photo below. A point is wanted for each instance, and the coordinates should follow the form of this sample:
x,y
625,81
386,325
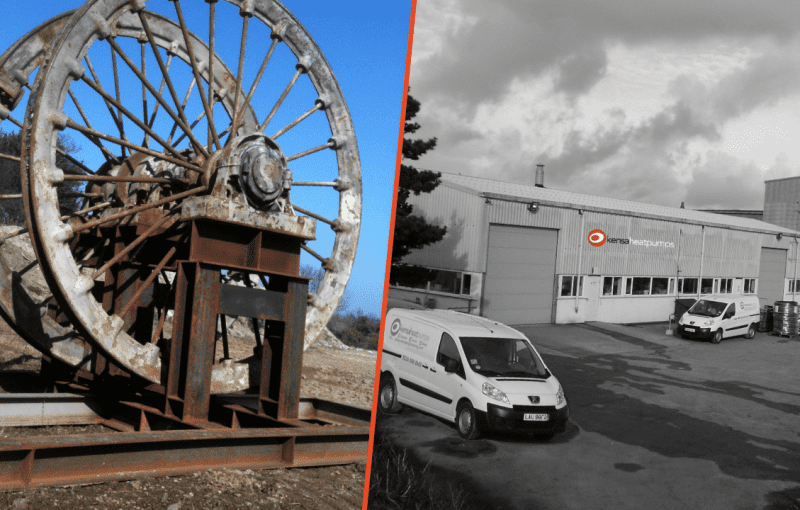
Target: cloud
x,y
763,81
723,178
512,39
579,72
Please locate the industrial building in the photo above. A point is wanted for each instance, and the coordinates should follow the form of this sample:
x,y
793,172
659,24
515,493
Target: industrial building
x,y
525,254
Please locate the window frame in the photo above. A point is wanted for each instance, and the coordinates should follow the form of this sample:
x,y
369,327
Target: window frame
x,y
620,280
572,289
464,282
682,285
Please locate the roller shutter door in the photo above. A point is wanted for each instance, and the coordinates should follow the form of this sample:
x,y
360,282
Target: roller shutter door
x,y
771,274
520,272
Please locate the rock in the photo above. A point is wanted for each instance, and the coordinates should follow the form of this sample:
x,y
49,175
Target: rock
x,y
21,504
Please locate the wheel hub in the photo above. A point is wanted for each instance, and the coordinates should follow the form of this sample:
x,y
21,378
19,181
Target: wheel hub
x,y
258,170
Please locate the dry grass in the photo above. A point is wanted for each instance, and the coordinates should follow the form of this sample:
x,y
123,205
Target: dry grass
x,y
398,482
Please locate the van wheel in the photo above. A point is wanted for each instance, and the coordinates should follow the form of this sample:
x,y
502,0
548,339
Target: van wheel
x,y
717,337
467,421
751,332
387,396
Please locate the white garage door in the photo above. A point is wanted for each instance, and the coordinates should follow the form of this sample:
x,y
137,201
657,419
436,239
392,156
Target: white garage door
x,y
520,272
771,275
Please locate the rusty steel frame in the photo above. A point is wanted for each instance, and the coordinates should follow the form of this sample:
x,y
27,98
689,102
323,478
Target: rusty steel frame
x,y
325,433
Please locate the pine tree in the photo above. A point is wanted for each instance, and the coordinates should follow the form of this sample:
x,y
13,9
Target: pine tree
x,y
412,232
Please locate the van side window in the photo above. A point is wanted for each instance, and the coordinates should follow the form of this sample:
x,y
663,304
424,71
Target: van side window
x,y
449,350
730,311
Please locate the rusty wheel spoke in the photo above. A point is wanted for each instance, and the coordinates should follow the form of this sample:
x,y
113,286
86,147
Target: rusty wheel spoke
x,y
330,145
300,70
196,71
318,105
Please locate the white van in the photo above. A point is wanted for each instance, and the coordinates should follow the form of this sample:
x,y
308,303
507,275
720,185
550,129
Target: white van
x,y
469,370
721,316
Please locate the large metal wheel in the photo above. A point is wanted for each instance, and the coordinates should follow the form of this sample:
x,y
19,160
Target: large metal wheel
x,y
24,296
149,189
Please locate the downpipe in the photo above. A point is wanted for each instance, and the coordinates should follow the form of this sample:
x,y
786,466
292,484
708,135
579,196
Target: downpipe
x,y
580,257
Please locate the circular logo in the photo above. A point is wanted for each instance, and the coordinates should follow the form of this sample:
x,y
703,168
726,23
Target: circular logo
x,y
395,327
597,238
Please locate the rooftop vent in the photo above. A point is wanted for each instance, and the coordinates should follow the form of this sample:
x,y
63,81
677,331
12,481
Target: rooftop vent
x,y
540,176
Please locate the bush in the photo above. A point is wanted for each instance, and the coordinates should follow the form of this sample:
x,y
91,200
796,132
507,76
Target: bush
x,y
356,329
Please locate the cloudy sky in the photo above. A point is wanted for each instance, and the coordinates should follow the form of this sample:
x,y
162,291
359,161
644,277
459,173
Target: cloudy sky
x,y
652,101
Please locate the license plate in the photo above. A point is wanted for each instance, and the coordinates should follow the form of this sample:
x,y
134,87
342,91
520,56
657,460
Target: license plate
x,y
535,417
690,330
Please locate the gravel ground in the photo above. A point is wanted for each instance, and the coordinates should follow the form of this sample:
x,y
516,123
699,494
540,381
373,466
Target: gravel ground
x,y
331,371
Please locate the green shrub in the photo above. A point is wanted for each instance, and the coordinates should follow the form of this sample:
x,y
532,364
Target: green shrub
x,y
356,329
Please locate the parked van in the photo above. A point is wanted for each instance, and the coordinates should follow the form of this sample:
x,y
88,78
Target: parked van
x,y
721,316
469,370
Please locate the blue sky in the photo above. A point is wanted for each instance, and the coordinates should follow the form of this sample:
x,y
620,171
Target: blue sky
x,y
365,45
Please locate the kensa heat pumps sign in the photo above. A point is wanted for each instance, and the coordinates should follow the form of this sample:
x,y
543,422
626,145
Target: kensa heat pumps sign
x,y
598,238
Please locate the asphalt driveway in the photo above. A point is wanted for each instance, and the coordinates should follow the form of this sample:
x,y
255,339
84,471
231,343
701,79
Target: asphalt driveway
x,y
656,422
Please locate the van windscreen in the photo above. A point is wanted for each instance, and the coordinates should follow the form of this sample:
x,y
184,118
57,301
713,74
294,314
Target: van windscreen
x,y
502,357
708,308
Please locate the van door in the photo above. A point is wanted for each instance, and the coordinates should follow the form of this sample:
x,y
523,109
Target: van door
x,y
448,385
733,323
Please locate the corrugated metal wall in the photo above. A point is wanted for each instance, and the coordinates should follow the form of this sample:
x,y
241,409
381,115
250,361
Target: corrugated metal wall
x,y
464,245
731,253
726,252
780,202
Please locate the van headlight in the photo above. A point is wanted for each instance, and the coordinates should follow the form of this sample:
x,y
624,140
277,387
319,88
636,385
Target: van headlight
x,y
560,398
491,391
707,324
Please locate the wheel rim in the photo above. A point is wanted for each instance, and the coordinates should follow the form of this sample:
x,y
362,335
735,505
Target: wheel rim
x,y
21,294
71,283
387,396
465,421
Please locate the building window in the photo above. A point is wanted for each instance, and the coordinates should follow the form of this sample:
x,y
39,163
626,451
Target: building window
x,y
638,286
725,285
749,286
707,286
687,285
571,285
437,280
612,285
641,286
446,281
661,286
